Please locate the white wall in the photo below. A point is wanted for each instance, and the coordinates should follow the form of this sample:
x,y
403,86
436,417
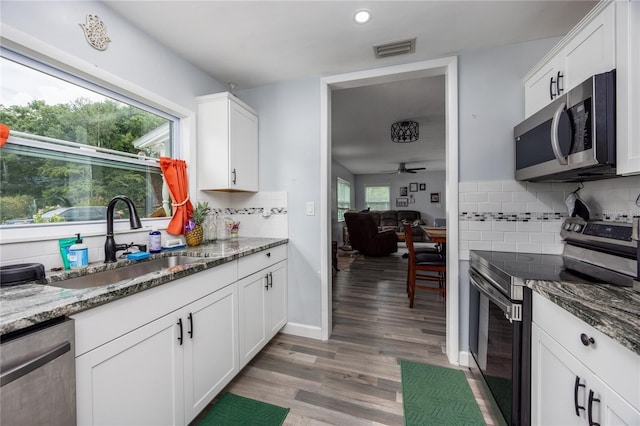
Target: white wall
x,y
148,70
434,182
289,132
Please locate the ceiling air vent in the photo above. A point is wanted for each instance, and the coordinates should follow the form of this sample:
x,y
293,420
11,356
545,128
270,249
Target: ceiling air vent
x,y
395,48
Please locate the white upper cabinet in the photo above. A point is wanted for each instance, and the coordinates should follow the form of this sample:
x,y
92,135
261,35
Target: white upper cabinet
x,y
590,48
227,145
628,87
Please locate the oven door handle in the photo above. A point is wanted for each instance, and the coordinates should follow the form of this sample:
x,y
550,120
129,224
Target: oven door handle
x,y
512,311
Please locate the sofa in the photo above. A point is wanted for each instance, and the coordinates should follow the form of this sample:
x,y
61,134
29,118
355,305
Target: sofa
x,y
395,219
367,238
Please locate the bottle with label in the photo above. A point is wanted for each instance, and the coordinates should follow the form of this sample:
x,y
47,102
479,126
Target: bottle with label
x,y
78,254
155,241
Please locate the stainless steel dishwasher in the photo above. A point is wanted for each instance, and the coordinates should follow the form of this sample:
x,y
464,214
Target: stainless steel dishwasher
x,y
37,375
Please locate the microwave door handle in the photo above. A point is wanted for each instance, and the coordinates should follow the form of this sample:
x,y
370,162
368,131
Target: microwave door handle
x,y
555,143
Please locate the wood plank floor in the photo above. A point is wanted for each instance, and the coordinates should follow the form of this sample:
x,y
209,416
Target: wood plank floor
x,y
354,378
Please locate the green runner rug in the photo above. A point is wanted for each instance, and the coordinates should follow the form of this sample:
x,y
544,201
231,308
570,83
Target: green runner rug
x,y
234,410
433,395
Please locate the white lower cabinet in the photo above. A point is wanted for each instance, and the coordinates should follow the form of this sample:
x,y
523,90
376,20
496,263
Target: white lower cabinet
x,y
263,308
575,382
136,379
566,392
158,357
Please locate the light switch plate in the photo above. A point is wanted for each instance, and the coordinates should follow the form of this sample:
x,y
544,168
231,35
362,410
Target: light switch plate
x,y
311,208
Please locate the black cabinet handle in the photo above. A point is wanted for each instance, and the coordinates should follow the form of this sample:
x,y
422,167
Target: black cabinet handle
x,y
591,400
268,254
551,83
234,176
270,279
180,334
586,340
559,89
266,281
190,325
575,396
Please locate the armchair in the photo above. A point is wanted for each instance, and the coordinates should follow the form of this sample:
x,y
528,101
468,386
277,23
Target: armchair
x,y
365,237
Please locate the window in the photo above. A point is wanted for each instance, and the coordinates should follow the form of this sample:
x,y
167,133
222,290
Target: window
x,y
74,145
377,197
344,198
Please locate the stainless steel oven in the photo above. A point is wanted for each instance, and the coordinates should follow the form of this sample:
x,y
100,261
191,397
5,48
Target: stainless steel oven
x,y
500,303
501,343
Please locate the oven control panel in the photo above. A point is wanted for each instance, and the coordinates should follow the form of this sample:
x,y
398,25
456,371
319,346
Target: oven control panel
x,y
612,233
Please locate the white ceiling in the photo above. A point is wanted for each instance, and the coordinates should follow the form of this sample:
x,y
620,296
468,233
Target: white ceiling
x,y
255,43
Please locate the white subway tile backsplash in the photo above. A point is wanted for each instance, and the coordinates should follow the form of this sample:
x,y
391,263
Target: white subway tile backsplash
x,y
529,226
503,226
479,245
500,197
513,186
470,235
542,237
490,186
502,246
524,197
476,197
516,237
513,207
492,236
529,248
489,207
467,187
480,226
468,207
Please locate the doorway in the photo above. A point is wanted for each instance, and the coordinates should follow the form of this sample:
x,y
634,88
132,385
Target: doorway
x,y
443,66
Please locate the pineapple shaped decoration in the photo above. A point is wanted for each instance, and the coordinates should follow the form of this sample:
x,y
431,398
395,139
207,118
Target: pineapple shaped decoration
x,y
194,232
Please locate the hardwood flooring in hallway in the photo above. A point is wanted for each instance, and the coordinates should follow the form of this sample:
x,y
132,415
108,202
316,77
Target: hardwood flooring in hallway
x,y
354,378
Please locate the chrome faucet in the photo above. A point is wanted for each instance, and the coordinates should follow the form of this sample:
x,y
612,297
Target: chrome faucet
x,y
110,246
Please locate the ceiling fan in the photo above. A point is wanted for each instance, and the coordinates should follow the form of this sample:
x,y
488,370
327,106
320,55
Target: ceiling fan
x,y
403,169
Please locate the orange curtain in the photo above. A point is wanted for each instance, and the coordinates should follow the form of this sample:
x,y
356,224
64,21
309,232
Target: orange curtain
x,y
4,134
175,174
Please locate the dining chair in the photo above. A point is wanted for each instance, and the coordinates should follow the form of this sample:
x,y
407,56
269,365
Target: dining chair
x,y
426,267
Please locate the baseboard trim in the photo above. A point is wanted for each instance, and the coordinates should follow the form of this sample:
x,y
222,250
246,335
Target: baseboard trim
x,y
302,330
464,358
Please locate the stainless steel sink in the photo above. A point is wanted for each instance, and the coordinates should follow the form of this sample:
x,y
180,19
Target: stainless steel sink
x,y
125,272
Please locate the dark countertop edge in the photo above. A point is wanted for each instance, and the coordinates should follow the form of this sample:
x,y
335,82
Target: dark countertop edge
x,y
593,311
119,292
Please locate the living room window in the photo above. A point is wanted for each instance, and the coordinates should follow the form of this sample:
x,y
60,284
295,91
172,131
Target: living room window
x,y
343,189
74,145
377,197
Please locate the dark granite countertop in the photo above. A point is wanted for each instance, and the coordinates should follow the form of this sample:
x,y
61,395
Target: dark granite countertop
x,y
615,311
28,304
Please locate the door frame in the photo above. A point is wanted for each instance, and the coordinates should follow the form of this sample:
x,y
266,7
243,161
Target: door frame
x,y
444,66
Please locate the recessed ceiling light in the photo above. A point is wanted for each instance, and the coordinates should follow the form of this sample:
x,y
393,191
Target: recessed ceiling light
x,y
362,16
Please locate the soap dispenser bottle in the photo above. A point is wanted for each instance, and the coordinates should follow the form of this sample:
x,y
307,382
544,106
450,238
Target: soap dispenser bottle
x,y
78,254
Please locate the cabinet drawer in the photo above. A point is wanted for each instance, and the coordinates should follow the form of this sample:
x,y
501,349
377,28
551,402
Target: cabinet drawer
x,y
616,365
248,265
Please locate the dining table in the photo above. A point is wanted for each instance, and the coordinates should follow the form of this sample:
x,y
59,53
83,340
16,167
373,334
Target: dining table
x,y
437,234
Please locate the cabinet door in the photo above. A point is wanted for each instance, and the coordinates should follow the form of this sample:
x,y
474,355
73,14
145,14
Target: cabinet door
x,y
136,379
277,298
617,411
592,50
628,87
541,88
252,315
211,355
553,377
244,148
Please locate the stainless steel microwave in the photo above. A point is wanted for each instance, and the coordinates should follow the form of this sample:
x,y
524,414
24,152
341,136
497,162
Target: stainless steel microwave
x,y
573,138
